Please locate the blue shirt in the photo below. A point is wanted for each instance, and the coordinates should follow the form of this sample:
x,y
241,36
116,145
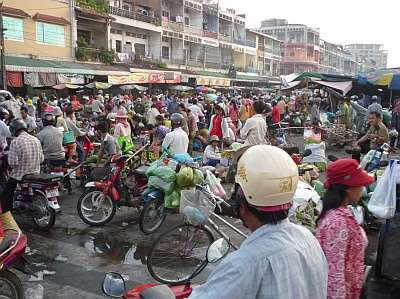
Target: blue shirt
x,y
275,261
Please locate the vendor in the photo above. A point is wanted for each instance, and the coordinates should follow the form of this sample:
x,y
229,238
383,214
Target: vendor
x,y
377,133
212,157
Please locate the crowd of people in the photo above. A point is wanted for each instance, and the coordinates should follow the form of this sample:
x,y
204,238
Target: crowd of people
x,y
279,259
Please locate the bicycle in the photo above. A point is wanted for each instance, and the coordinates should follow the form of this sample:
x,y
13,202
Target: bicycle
x,y
179,254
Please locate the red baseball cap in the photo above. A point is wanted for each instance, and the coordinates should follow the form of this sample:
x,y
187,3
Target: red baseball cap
x,y
347,172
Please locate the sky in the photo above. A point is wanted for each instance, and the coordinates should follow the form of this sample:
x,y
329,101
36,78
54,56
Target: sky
x,y
340,21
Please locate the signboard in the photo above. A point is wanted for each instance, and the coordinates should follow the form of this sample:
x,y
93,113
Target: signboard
x,y
137,78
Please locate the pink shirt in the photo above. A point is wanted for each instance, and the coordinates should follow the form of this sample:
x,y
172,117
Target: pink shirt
x,y
122,130
343,242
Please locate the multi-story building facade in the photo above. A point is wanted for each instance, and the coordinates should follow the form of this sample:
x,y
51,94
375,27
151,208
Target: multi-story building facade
x,y
374,56
35,31
331,58
300,50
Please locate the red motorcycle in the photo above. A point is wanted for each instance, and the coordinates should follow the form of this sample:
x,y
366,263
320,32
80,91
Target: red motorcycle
x,y
114,284
12,248
98,203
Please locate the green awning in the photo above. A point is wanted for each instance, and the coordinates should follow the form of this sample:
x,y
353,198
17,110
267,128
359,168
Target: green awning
x,y
23,64
308,75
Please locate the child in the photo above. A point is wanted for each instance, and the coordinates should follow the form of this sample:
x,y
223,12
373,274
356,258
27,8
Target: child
x,y
212,157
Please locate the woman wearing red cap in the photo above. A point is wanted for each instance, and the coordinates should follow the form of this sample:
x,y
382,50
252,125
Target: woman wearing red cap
x,y
340,236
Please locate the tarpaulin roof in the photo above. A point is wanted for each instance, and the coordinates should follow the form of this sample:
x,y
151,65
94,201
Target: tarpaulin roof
x,y
22,64
344,86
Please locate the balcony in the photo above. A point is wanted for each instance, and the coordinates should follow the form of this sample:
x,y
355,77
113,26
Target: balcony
x,y
133,15
251,43
172,25
239,41
94,55
225,37
194,62
196,5
193,30
98,6
210,34
251,69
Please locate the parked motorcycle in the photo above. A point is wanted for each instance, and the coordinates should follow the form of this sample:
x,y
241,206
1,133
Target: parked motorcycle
x,y
97,205
12,248
37,195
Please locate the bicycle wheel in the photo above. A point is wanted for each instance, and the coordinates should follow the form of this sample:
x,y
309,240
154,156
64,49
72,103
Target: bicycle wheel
x,y
177,253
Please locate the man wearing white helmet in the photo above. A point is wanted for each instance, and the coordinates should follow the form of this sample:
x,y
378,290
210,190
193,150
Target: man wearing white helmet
x,y
279,259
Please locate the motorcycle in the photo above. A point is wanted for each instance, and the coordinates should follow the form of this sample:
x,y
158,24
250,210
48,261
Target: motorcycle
x,y
12,249
97,205
114,284
37,195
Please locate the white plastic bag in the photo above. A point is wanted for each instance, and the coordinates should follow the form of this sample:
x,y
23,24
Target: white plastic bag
x,y
383,201
215,184
317,153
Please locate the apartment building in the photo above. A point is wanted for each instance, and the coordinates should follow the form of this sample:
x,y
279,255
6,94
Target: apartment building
x,y
374,56
38,29
331,58
301,45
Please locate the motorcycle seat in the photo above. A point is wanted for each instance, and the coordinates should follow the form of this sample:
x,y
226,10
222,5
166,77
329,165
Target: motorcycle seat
x,y
141,170
42,178
59,162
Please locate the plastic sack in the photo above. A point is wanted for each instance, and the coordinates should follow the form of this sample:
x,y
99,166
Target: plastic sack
x,y
172,200
150,171
184,177
156,182
215,185
383,201
165,173
317,153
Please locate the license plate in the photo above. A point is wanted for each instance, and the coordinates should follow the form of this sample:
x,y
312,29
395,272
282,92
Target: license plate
x,y
58,173
52,193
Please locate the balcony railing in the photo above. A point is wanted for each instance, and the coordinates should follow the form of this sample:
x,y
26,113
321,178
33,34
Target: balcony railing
x,y
99,6
226,38
210,34
194,62
239,41
94,55
193,30
172,25
251,69
251,43
133,15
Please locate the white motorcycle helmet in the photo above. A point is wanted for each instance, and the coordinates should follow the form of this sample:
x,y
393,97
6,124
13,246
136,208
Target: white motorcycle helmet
x,y
267,176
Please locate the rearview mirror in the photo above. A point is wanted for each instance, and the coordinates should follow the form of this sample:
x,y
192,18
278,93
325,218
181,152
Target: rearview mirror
x,y
114,285
217,250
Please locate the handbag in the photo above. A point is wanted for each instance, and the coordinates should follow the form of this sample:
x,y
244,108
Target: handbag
x,y
68,137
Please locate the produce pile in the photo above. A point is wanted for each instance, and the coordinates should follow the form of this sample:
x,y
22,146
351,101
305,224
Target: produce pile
x,y
172,182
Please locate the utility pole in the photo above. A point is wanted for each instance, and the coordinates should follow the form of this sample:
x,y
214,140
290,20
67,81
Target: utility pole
x,y
2,56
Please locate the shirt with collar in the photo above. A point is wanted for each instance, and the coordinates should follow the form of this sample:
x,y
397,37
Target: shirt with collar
x,y
177,141
276,261
254,130
25,156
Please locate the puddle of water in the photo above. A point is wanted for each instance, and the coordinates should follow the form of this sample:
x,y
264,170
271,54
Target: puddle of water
x,y
114,250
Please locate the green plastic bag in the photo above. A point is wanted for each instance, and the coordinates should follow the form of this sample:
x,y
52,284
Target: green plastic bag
x,y
198,177
165,173
125,144
184,177
172,200
158,183
150,171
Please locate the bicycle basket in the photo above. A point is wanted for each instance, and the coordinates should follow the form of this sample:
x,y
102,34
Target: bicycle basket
x,y
100,173
196,206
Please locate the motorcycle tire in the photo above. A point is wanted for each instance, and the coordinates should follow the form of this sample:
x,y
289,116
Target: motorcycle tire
x,y
44,227
86,219
9,278
169,243
148,209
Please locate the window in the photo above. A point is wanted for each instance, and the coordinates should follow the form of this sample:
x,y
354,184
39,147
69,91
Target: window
x,y
118,46
50,34
165,52
14,28
187,22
